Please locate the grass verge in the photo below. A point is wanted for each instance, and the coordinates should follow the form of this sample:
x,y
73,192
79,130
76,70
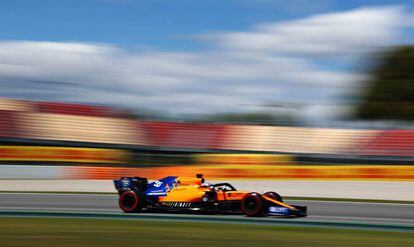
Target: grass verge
x,y
45,232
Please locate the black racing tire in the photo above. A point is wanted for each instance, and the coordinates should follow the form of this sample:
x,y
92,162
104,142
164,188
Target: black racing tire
x,y
131,201
252,204
274,196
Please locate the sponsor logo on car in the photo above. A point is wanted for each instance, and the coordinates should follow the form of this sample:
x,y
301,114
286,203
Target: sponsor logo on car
x,y
278,210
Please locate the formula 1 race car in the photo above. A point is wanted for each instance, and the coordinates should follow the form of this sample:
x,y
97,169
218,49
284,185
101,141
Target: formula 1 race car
x,y
174,194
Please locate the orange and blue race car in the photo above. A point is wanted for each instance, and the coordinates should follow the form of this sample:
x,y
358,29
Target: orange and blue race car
x,y
176,194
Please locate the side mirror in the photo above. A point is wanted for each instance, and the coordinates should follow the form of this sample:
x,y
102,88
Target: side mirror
x,y
199,175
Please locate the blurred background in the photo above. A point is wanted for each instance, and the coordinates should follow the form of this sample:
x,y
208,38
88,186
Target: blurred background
x,y
297,94
147,85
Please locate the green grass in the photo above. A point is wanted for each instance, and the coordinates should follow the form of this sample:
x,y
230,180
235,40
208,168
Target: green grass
x,y
45,232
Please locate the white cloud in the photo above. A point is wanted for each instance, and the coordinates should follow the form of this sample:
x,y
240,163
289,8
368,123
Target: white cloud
x,y
325,34
271,63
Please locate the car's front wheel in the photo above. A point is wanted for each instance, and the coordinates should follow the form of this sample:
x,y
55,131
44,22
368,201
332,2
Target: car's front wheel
x,y
252,204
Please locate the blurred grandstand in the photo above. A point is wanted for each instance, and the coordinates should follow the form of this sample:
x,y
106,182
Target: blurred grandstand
x,y
61,124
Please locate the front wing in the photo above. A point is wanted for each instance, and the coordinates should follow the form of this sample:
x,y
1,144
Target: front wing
x,y
298,211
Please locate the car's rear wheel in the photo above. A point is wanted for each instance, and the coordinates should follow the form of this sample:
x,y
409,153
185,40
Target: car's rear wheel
x,y
274,196
252,204
131,201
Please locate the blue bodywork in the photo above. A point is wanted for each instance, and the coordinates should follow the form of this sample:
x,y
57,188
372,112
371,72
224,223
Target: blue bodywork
x,y
153,189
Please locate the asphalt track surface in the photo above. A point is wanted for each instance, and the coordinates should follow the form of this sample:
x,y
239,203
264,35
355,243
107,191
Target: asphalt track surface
x,y
106,205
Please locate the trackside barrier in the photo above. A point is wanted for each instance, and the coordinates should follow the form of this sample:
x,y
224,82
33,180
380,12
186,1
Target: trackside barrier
x,y
250,172
242,159
63,154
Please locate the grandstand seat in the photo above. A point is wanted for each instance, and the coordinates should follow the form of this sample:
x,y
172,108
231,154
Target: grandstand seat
x,y
391,143
185,135
75,109
7,124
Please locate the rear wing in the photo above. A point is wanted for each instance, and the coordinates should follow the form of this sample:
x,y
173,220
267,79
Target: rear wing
x,y
131,183
157,187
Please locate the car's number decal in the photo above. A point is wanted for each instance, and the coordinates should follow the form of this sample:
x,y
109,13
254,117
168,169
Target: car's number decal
x,y
157,184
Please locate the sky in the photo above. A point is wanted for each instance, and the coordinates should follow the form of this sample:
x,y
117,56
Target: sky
x,y
197,57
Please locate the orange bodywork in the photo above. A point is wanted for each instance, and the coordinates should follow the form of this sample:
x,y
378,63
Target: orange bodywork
x,y
192,190
184,193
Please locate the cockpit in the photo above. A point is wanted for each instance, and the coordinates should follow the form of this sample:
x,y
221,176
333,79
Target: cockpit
x,y
223,187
